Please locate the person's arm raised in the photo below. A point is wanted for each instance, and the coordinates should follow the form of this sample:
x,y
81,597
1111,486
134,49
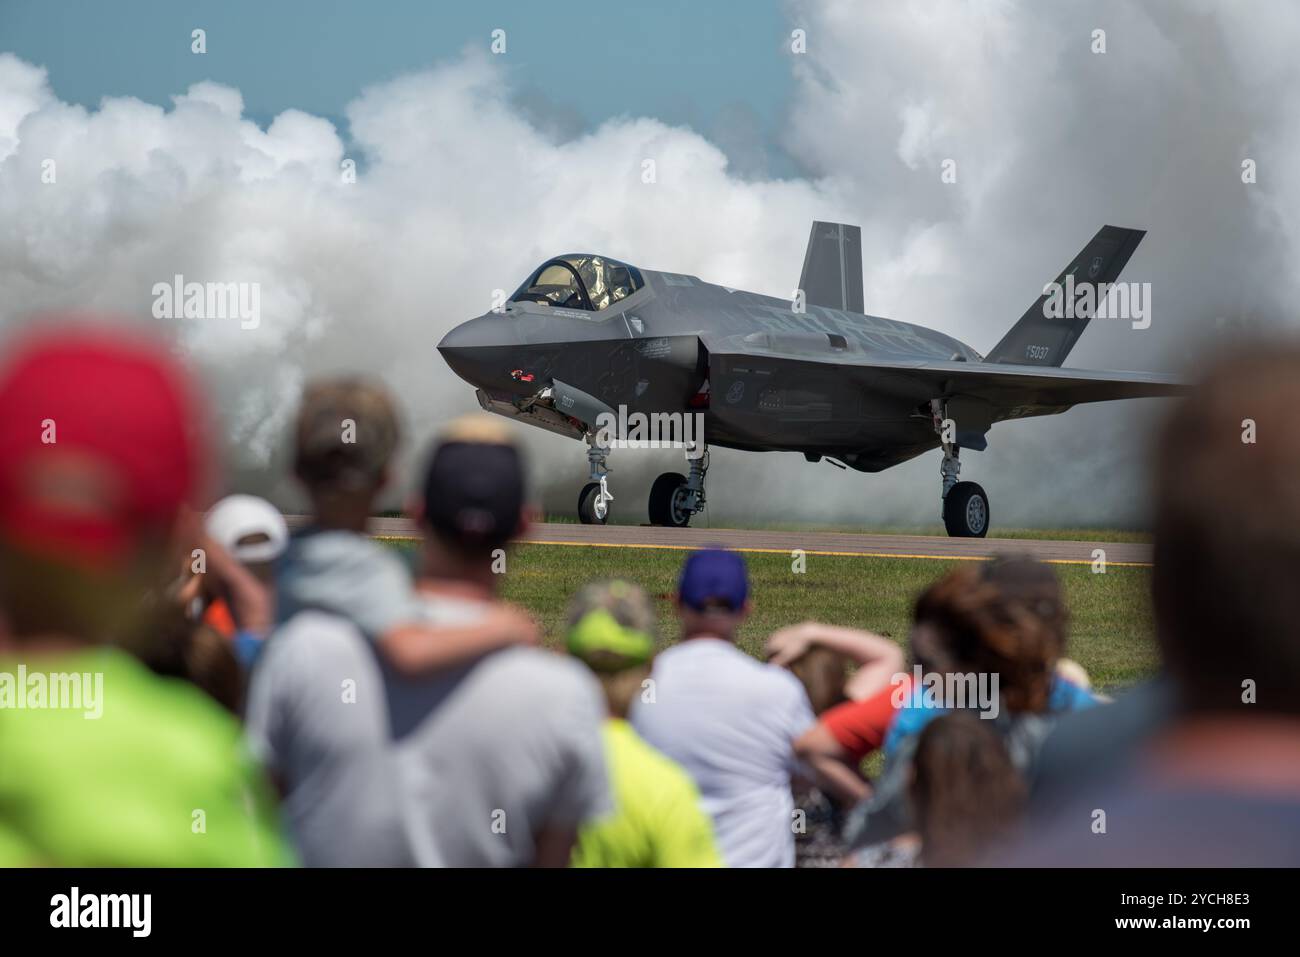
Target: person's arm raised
x,y
419,648
878,659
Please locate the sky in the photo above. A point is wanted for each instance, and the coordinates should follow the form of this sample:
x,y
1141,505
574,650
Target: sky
x,y
473,167
573,64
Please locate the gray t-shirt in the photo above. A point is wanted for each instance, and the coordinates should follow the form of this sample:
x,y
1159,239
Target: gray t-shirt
x,y
461,769
345,573
317,717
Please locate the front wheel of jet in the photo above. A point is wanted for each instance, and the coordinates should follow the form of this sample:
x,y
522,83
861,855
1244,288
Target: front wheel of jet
x,y
591,511
666,495
966,511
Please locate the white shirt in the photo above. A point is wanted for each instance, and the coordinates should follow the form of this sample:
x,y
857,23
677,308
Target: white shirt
x,y
731,721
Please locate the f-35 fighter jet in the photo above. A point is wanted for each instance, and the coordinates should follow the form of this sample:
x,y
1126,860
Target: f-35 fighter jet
x,y
588,344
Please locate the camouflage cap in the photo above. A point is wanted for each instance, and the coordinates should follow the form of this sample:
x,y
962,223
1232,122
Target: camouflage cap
x,y
611,625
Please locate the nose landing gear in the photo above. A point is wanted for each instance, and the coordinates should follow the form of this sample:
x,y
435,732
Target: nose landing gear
x,y
594,499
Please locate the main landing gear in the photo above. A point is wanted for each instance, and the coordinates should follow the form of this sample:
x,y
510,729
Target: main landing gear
x,y
674,497
965,506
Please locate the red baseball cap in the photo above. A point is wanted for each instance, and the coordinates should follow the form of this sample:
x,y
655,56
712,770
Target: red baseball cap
x,y
102,440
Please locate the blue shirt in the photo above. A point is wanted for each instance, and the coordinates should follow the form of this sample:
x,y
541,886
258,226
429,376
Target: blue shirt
x,y
913,717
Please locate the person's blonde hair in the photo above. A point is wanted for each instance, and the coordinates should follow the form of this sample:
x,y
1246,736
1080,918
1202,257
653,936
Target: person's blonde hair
x,y
476,427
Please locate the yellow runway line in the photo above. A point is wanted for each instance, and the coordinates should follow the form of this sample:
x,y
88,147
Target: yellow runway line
x,y
786,551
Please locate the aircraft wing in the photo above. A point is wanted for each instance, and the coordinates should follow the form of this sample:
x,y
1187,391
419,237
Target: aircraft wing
x,y
976,394
1003,384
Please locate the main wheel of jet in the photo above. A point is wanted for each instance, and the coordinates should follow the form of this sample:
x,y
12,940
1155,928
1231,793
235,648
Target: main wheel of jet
x,y
666,497
591,511
966,511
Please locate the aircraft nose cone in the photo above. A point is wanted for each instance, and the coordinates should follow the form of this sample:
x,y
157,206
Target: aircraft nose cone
x,y
467,335
476,349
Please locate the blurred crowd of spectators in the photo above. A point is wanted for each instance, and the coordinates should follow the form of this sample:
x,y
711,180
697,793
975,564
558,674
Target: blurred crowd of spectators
x,y
267,696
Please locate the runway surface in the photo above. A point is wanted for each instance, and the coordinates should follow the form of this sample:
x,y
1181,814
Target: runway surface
x,y
811,542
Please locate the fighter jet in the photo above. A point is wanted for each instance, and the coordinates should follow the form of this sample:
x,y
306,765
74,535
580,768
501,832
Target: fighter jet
x,y
587,340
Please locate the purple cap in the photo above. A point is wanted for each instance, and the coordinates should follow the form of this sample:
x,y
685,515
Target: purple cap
x,y
714,576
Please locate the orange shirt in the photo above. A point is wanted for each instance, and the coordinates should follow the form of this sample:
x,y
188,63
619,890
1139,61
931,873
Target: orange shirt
x,y
860,726
217,617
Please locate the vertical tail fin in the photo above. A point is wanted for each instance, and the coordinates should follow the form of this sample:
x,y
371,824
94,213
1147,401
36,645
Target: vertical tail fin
x,y
832,267
1041,340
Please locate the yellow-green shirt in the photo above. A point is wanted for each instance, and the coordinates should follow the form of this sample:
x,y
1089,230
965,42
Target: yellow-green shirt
x,y
657,821
160,777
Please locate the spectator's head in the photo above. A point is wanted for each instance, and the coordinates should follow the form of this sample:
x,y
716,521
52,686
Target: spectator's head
x,y
1022,579
966,795
822,673
1227,535
101,447
1034,585
197,654
611,627
251,529
970,622
344,441
473,499
713,594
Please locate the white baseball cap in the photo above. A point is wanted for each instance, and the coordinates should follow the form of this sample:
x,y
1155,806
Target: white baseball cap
x,y
237,517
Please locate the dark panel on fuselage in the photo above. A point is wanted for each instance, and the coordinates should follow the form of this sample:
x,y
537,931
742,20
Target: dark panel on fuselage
x,y
767,402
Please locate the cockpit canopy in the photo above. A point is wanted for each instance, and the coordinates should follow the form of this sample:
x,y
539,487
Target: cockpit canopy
x,y
580,281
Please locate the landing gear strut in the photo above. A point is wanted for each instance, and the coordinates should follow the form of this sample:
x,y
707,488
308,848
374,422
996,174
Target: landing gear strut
x,y
965,506
594,499
674,498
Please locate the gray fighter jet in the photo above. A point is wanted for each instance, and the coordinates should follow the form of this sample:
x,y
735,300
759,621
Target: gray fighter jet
x,y
587,340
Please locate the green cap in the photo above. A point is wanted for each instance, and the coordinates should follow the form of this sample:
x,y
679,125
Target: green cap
x,y
605,645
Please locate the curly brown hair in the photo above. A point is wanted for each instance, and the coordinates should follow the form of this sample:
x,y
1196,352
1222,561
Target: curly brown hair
x,y
989,626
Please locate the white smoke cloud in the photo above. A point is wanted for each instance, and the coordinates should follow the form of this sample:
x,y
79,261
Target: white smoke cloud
x,y
460,191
